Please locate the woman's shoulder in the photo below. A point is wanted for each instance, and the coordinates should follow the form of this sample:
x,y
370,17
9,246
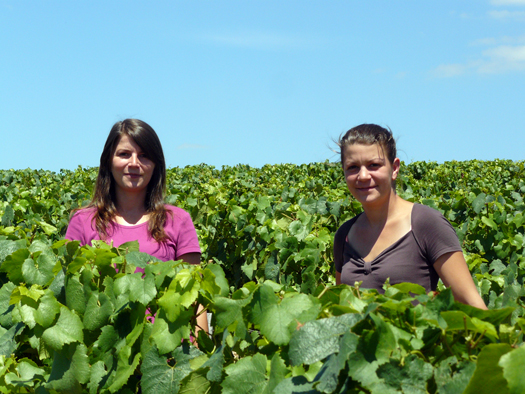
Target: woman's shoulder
x,y
427,220
176,210
421,213
84,213
344,228
176,214
178,222
81,226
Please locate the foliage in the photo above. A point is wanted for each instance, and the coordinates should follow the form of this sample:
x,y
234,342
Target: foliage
x,y
70,322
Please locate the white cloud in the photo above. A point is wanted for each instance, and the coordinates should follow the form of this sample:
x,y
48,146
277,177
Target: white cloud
x,y
449,70
503,59
505,40
507,2
191,147
501,15
506,54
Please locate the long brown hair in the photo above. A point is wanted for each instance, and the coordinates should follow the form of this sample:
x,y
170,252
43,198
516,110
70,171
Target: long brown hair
x,y
104,198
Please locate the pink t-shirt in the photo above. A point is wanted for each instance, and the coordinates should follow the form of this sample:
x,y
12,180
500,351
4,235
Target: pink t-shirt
x,y
182,237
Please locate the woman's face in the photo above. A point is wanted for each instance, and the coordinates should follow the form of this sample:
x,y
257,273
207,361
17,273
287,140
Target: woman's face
x,y
130,167
368,172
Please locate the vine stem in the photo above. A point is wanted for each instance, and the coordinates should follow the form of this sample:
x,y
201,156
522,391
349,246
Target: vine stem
x,y
322,293
444,339
479,339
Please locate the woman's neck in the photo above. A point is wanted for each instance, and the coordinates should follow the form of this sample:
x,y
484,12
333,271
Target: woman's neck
x,y
131,208
378,215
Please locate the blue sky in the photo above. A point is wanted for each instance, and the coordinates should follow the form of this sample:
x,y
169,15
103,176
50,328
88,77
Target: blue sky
x,y
261,82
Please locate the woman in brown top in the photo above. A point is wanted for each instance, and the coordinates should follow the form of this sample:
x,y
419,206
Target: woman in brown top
x,y
393,238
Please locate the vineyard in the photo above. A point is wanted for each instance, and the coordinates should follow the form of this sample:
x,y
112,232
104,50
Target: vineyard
x,y
71,323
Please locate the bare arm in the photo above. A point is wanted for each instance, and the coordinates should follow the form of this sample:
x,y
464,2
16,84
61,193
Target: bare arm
x,y
453,271
337,278
191,258
202,318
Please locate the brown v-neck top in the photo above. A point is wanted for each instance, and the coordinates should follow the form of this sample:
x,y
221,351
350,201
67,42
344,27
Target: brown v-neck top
x,y
409,259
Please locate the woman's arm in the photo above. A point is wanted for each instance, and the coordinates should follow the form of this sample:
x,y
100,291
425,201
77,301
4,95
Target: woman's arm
x,y
191,258
337,278
453,271
202,318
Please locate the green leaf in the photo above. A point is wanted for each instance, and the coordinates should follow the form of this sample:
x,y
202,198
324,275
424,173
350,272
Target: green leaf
x,y
489,222
272,269
349,299
449,382
328,375
383,338
220,278
410,377
249,268
40,272
7,218
318,339
512,364
5,305
48,229
160,377
457,320
25,314
76,264
13,265
98,310
48,308
124,368
168,335
70,369
68,329
216,362
28,373
298,230
363,369
248,375
8,247
139,289
104,257
186,286
128,247
488,377
195,383
278,320
228,314
278,372
493,316
479,202
57,286
139,259
98,372
107,339
295,385
8,344
409,288
171,304
75,298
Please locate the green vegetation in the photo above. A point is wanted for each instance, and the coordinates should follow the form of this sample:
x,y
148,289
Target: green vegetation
x,y
69,322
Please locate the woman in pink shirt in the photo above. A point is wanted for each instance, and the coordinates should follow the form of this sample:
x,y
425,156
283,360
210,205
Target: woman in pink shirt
x,y
128,203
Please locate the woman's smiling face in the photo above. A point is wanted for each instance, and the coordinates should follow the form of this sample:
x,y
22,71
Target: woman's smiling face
x,y
130,167
368,173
